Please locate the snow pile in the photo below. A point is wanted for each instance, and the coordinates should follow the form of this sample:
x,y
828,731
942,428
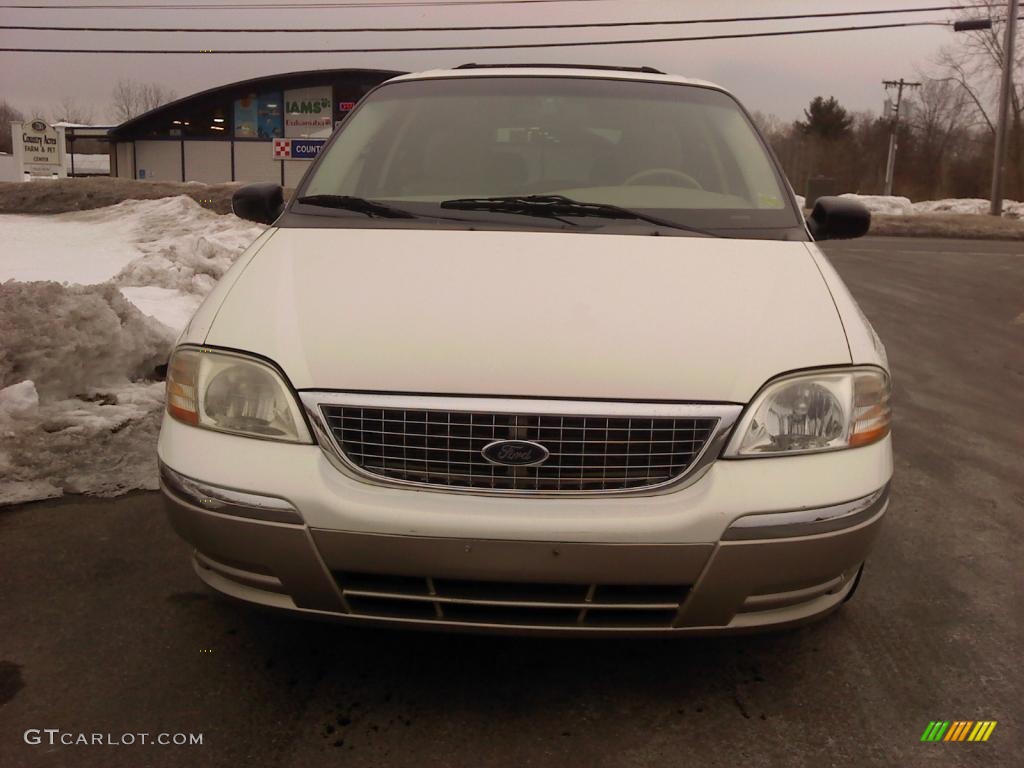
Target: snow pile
x,y
901,206
172,308
887,204
67,339
67,247
103,444
171,243
79,411
183,245
976,205
80,403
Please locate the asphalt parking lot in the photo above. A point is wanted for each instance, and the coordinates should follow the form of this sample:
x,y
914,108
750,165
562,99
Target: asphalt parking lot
x,y
105,629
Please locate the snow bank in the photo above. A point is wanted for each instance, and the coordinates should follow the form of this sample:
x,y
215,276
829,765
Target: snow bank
x,y
65,247
71,417
80,408
104,444
171,243
901,206
887,204
978,206
183,246
172,308
68,339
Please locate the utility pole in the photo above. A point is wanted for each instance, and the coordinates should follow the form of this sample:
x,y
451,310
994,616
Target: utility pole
x,y
1005,87
890,165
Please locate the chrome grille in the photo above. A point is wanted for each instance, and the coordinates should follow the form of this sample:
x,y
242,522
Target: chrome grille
x,y
524,604
588,453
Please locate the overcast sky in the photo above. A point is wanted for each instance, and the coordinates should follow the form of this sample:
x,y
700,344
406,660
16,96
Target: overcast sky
x,y
778,75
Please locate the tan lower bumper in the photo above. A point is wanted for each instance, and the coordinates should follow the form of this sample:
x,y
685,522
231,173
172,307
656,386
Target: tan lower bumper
x,y
535,587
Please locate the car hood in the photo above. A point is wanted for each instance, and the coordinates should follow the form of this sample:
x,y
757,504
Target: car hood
x,y
560,315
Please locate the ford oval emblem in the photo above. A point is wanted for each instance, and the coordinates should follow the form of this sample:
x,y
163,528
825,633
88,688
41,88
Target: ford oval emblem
x,y
515,453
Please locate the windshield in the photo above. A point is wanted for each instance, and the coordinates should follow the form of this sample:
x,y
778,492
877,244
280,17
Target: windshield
x,y
684,153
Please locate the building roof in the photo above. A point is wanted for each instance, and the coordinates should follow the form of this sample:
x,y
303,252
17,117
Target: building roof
x,y
279,80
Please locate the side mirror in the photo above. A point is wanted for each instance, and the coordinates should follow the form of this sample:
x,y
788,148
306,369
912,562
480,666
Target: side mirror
x,y
261,202
838,218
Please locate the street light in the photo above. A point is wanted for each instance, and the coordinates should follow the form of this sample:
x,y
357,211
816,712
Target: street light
x,y
972,25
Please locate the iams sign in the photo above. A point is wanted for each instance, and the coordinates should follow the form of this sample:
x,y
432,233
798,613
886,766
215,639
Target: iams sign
x,y
311,107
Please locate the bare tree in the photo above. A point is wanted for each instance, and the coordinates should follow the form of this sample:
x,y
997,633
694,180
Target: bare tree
x,y
70,111
131,98
767,122
975,65
940,111
7,115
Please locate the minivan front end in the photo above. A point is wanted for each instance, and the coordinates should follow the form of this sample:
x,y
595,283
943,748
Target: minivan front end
x,y
640,402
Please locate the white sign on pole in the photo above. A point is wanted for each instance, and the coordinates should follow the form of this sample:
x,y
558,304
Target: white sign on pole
x,y
39,148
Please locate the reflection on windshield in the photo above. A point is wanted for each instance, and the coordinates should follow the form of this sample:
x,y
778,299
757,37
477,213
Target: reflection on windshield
x,y
684,152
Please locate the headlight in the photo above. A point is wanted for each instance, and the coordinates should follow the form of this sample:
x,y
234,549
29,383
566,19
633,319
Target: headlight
x,y
233,393
810,412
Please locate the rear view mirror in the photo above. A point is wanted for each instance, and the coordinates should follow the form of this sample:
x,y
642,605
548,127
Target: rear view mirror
x,y
838,218
261,202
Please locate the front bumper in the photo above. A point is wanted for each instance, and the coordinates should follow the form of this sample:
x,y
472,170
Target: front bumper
x,y
761,571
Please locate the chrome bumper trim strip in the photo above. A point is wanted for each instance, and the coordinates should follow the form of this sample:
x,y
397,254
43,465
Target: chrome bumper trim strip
x,y
807,522
226,501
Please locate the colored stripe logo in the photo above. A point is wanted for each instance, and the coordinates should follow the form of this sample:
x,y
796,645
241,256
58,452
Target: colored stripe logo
x,y
958,730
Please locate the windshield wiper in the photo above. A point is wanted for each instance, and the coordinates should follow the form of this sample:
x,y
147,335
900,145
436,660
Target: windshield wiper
x,y
357,204
559,205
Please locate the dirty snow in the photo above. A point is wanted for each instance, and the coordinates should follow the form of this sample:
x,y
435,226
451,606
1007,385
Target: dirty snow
x,y
902,206
1011,208
172,308
172,243
888,204
91,305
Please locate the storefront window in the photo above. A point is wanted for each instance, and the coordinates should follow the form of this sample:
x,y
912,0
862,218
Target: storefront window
x,y
308,112
247,116
271,115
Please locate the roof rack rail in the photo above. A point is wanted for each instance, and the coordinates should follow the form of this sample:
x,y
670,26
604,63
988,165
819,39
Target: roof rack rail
x,y
646,70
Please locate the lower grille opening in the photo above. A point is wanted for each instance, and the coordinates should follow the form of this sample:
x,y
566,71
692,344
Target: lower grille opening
x,y
525,604
629,618
639,593
389,608
499,614
512,591
373,582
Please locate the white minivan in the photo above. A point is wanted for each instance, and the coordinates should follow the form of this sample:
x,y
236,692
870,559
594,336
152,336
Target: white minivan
x,y
534,349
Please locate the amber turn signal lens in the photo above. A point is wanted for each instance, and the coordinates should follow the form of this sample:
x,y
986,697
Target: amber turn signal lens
x,y
872,414
181,386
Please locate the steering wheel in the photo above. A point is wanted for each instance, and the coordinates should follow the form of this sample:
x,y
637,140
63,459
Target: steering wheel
x,y
676,176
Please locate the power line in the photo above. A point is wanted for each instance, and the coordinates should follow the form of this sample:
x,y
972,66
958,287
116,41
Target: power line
x,y
275,6
496,27
489,47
